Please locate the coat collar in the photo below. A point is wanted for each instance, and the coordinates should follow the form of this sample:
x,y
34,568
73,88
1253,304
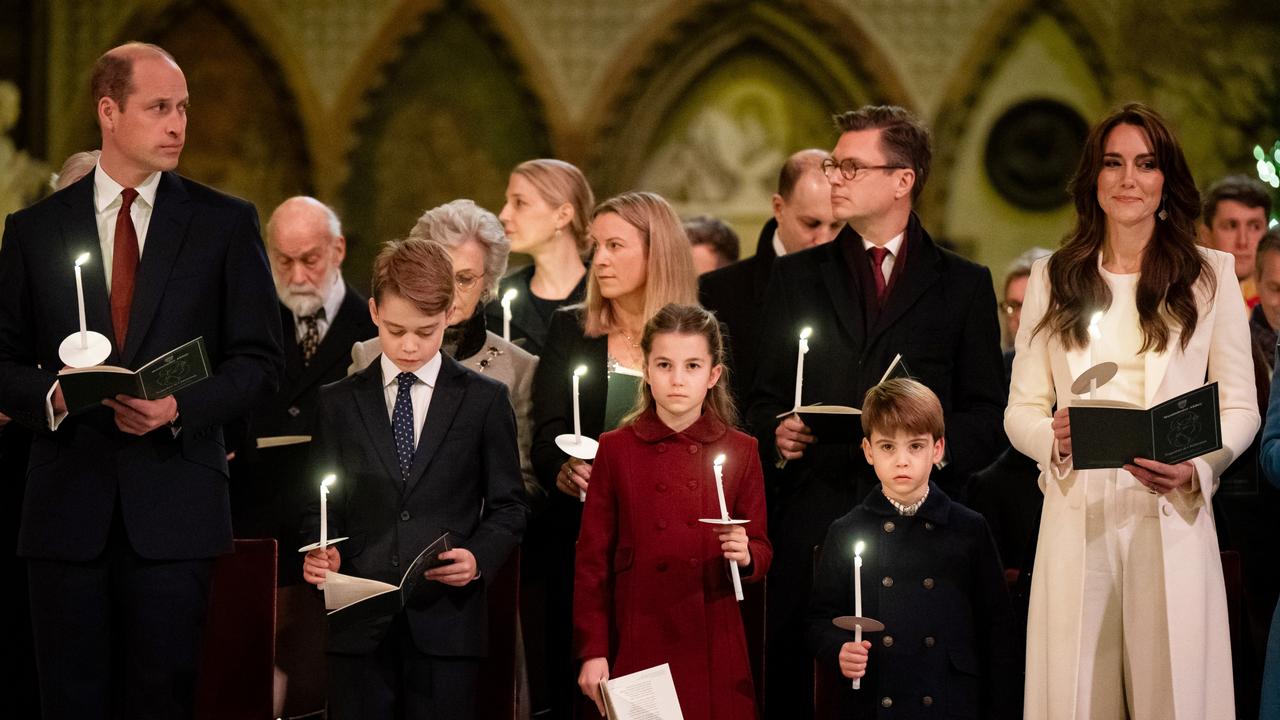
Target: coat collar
x,y
706,429
936,507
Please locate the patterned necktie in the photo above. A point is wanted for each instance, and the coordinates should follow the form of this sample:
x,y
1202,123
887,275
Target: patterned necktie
x,y
311,335
402,423
124,267
878,254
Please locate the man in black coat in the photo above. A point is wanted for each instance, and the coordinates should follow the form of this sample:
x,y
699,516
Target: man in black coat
x,y
126,505
322,317
882,288
802,218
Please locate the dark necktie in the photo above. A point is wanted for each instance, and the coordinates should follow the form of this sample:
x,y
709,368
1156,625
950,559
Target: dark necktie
x,y
124,268
402,423
311,335
878,254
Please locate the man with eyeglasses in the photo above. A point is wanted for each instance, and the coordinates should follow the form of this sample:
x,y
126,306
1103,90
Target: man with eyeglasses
x,y
882,288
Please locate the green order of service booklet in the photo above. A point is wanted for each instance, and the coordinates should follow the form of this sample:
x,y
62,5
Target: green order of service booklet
x,y
1111,435
85,388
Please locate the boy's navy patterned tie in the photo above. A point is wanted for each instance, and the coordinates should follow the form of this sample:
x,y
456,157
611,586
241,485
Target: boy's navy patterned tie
x,y
402,423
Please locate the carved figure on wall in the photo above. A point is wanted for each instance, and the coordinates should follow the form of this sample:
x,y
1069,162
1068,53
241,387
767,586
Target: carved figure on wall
x,y
22,177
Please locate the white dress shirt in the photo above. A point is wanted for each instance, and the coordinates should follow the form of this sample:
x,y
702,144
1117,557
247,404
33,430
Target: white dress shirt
x,y
419,393
106,205
332,303
894,246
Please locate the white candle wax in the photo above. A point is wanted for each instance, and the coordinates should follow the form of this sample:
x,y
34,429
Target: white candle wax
x,y
84,328
507,297
577,418
719,470
324,517
803,348
857,601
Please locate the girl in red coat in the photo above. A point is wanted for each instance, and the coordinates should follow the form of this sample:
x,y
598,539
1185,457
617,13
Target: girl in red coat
x,y
652,584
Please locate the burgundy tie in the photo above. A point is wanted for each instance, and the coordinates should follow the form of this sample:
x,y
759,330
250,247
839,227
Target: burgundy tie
x,y
878,254
124,267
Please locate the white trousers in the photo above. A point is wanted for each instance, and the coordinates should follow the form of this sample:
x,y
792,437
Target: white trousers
x,y
1125,670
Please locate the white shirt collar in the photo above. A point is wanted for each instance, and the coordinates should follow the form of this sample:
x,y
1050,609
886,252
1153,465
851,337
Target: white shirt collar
x,y
426,374
106,191
778,248
333,301
893,246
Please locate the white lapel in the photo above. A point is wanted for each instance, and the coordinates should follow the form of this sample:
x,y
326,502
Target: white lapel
x,y
1157,363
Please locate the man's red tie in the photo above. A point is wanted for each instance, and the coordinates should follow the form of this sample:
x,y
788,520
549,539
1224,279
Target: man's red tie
x,y
124,268
878,254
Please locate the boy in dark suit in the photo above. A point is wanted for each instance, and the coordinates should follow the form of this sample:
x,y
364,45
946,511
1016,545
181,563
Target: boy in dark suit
x,y
421,446
931,574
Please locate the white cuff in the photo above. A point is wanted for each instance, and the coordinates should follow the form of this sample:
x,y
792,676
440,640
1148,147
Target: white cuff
x,y
54,419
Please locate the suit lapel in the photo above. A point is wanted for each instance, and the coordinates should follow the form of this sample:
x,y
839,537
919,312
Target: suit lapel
x,y
80,235
334,348
918,273
842,290
372,405
165,235
446,397
1157,363
292,353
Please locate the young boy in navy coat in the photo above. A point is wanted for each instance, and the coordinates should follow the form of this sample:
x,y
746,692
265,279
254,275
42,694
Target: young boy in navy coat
x,y
420,446
930,573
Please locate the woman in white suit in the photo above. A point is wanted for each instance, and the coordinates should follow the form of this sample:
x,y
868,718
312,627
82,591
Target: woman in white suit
x,y
1128,613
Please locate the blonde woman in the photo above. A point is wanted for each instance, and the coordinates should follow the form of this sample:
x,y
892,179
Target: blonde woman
x,y
546,215
642,263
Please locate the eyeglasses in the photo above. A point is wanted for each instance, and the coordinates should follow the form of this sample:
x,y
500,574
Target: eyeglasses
x,y
850,169
466,282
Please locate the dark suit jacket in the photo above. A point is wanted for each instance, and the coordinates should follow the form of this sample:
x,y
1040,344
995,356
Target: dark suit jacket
x,y
203,273
292,410
935,581
940,314
465,480
736,294
528,330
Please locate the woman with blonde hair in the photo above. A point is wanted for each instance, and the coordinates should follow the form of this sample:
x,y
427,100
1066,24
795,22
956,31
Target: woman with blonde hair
x,y
642,263
546,214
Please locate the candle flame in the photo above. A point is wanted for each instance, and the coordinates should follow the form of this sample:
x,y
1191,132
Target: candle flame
x,y
84,258
328,480
805,333
1094,331
719,460
580,370
509,295
858,547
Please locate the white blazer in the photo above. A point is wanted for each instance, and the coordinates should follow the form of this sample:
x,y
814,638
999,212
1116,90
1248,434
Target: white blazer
x,y
1043,370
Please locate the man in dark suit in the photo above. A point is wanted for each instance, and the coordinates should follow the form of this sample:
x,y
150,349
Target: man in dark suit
x,y
126,505
322,318
802,218
882,288
421,446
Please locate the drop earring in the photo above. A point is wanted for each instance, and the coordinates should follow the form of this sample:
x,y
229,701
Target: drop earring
x,y
1163,214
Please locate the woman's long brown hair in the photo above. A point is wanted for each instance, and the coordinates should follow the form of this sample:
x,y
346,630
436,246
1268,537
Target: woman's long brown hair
x,y
1172,265
688,320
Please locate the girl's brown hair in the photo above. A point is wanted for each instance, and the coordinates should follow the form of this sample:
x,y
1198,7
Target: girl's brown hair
x,y
1172,266
669,274
688,320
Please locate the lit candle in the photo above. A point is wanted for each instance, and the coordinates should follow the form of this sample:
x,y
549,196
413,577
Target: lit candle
x,y
1095,338
804,348
507,297
577,419
84,334
719,468
857,599
718,465
324,509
